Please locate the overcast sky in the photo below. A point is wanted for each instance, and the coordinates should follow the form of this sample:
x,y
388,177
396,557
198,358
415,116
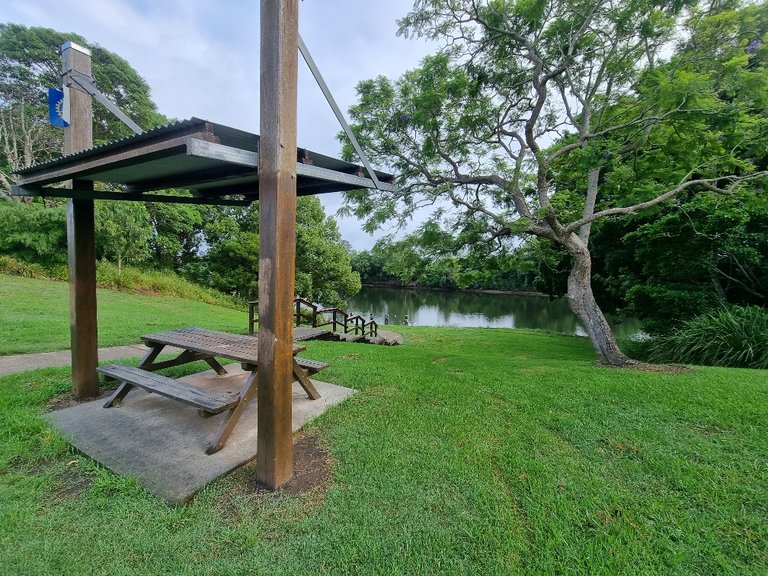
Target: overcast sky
x,y
201,57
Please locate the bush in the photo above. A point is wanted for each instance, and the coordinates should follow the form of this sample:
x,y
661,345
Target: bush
x,y
33,233
15,267
163,282
129,279
736,336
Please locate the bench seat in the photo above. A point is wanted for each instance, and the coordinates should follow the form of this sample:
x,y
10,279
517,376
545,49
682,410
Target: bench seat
x,y
201,398
311,366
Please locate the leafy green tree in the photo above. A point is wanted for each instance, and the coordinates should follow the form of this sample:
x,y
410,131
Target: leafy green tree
x,y
123,232
474,125
232,265
231,261
323,264
706,250
681,262
33,233
370,265
178,233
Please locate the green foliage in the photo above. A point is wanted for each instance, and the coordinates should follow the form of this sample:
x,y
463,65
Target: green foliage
x,y
232,265
323,264
177,234
123,232
323,269
30,62
433,258
33,233
160,282
14,267
678,262
735,336
544,118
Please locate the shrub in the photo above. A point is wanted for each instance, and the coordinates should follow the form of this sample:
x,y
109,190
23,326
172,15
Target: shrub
x,y
14,267
33,233
128,279
736,336
163,282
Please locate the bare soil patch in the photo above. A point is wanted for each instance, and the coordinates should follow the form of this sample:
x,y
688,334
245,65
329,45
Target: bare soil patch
x,y
66,400
312,467
647,367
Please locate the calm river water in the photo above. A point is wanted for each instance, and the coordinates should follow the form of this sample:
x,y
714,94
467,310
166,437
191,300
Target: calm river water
x,y
431,308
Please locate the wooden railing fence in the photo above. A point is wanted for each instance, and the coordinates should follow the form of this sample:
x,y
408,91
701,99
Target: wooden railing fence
x,y
309,314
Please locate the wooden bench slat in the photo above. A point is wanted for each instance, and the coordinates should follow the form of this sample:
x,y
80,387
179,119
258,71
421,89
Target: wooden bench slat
x,y
312,366
188,394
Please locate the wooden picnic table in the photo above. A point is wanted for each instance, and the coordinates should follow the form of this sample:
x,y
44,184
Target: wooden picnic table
x,y
203,344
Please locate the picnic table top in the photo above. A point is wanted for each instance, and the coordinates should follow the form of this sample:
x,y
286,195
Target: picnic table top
x,y
234,346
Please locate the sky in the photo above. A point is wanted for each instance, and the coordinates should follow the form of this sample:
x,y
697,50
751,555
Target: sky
x,y
201,58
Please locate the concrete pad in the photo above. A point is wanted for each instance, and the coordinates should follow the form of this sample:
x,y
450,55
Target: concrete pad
x,y
161,442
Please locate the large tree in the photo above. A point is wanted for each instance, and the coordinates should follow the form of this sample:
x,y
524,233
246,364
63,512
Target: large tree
x,y
702,251
524,90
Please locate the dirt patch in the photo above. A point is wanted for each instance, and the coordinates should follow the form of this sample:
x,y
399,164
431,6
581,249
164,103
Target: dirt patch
x,y
69,478
73,481
312,466
66,400
647,367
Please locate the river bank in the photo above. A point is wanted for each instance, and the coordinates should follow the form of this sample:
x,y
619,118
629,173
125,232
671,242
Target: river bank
x,y
460,290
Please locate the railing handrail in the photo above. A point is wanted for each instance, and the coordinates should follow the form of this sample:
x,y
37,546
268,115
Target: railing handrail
x,y
369,328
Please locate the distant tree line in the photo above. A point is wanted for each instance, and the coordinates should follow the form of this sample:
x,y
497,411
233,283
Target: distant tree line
x,y
431,258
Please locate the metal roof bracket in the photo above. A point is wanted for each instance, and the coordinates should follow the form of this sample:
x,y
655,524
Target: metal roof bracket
x,y
339,116
79,81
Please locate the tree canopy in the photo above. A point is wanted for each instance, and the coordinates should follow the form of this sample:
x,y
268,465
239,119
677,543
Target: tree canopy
x,y
541,118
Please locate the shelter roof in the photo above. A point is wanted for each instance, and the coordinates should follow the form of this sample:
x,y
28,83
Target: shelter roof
x,y
216,163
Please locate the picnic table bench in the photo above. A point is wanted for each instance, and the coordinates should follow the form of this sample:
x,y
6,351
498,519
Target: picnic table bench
x,y
203,344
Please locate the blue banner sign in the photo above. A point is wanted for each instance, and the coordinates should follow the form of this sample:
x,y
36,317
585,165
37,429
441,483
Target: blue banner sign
x,y
58,107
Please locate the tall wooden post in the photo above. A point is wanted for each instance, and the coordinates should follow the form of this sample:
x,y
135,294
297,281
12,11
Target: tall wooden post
x,y
277,238
80,237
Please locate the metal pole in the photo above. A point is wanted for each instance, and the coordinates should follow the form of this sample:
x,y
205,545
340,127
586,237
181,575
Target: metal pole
x,y
81,246
337,111
277,239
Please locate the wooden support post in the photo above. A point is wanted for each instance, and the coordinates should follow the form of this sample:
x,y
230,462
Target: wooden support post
x,y
277,238
81,237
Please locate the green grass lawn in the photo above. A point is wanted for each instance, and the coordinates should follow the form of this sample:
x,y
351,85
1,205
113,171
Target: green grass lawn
x,y
465,451
34,315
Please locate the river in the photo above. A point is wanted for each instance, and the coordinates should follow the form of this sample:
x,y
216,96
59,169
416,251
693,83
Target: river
x,y
470,309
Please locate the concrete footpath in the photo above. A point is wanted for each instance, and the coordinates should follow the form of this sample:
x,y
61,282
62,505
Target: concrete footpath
x,y
23,362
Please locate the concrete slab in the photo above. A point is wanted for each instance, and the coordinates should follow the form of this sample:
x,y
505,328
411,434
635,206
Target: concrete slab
x,y
161,442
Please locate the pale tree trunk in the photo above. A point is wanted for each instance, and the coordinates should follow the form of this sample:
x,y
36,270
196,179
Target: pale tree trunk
x,y
582,302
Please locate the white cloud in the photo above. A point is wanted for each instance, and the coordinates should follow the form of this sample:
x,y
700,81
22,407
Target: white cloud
x,y
201,57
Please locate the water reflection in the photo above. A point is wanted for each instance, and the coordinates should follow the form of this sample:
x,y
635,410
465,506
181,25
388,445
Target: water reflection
x,y
430,308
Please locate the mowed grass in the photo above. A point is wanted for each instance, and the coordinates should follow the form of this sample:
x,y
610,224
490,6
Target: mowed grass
x,y
34,315
464,451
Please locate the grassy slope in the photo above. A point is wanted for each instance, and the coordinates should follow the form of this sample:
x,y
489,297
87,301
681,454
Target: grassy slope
x,y
464,452
34,315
